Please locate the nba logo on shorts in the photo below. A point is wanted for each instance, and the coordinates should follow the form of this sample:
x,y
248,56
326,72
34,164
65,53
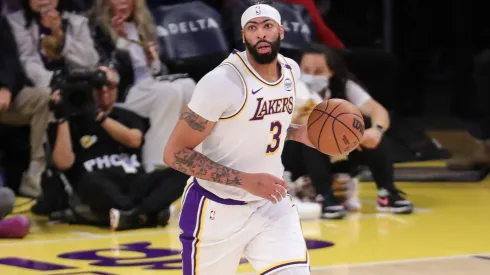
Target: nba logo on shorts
x,y
257,10
212,215
288,84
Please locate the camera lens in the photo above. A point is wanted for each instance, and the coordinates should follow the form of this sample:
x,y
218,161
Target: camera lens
x,y
78,98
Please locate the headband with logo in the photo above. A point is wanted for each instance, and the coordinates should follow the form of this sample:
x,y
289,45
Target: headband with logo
x,y
260,10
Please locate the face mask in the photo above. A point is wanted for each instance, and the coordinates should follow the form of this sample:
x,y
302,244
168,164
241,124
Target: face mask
x,y
316,83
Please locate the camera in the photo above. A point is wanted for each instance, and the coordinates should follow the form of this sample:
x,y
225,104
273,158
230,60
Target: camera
x,y
76,89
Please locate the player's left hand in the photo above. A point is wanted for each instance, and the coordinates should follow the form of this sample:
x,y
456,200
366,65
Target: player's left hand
x,y
371,138
266,186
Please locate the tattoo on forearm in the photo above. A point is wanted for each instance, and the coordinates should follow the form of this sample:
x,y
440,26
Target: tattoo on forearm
x,y
194,121
193,163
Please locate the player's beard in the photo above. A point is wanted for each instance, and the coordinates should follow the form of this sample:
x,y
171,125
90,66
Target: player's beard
x,y
266,58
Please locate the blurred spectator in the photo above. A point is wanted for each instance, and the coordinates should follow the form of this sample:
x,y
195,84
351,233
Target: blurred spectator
x,y
100,153
21,105
324,72
78,6
10,6
125,35
49,39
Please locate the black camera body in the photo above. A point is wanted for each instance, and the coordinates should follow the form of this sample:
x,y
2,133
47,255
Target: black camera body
x,y
76,89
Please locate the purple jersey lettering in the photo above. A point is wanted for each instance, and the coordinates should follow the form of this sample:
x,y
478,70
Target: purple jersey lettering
x,y
272,106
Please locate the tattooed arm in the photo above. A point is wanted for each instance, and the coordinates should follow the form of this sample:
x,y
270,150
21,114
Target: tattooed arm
x,y
209,102
190,131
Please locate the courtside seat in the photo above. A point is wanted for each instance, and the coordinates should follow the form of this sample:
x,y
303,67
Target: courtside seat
x,y
191,37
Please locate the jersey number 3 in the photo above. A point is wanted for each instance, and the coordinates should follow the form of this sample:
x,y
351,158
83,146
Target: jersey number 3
x,y
276,130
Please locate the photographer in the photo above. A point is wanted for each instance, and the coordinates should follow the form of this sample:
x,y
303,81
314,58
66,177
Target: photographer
x,y
48,38
98,145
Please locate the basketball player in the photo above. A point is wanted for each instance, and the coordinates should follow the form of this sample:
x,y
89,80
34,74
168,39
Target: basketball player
x,y
236,201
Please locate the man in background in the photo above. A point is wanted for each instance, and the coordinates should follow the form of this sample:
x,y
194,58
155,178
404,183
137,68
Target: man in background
x,y
20,104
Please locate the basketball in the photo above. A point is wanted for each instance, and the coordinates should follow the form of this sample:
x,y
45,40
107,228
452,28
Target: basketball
x,y
335,127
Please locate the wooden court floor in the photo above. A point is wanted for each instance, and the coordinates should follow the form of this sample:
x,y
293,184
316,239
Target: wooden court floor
x,y
449,234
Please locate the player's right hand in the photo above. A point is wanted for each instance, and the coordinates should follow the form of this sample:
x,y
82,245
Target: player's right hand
x,y
266,186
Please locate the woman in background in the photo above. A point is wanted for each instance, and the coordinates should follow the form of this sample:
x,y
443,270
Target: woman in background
x,y
125,35
48,38
326,74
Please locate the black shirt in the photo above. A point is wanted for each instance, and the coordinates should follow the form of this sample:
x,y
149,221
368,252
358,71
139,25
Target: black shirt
x,y
95,150
12,74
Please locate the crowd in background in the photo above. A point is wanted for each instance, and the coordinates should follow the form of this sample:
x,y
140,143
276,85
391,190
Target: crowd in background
x,y
107,154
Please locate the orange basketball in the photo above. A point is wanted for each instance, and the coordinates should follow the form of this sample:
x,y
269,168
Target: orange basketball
x,y
335,127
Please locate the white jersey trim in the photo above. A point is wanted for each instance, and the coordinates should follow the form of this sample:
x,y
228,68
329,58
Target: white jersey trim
x,y
257,76
245,89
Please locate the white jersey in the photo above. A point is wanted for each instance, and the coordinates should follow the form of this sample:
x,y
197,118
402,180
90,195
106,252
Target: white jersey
x,y
252,116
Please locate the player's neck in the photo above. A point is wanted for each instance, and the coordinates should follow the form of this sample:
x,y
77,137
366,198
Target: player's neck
x,y
269,72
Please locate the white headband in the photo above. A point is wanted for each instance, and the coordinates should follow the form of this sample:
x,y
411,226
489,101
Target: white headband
x,y
260,10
